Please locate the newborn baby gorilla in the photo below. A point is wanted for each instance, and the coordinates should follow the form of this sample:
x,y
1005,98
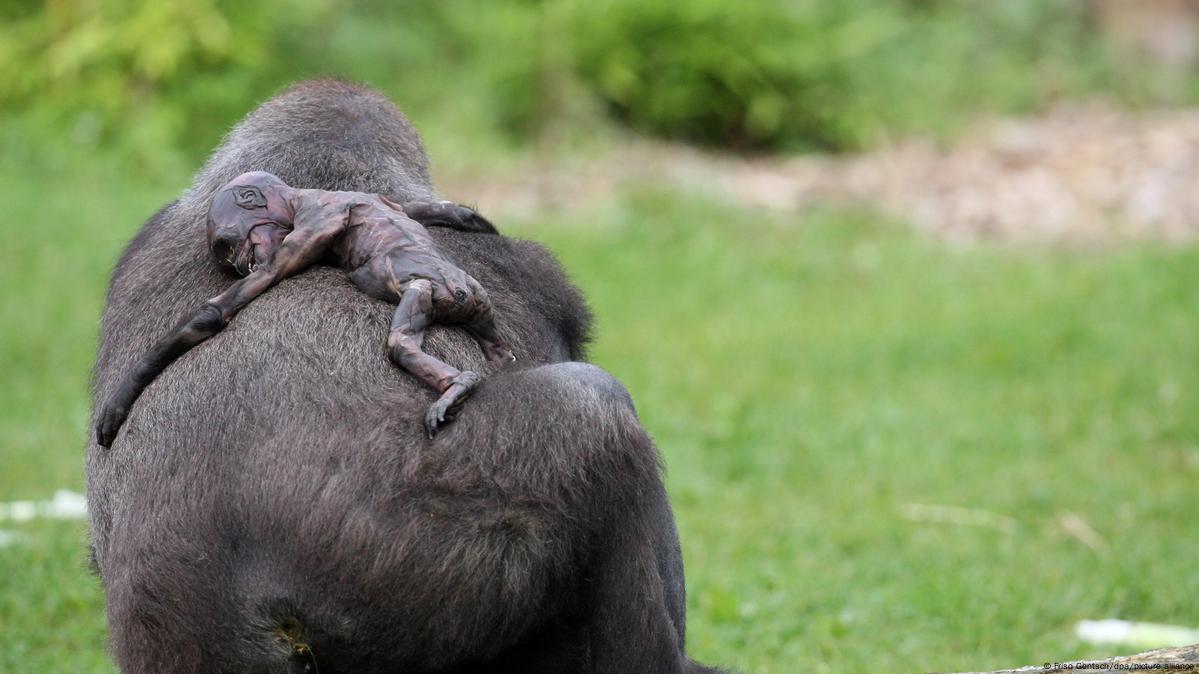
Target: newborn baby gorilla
x,y
267,231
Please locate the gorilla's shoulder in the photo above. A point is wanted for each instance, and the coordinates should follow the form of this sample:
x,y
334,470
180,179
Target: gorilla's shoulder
x,y
513,269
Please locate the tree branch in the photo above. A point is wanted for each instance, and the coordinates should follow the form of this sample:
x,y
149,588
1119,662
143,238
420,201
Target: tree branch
x,y
1184,659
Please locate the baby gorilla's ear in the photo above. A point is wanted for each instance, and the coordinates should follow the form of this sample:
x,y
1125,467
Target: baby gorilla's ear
x,y
248,197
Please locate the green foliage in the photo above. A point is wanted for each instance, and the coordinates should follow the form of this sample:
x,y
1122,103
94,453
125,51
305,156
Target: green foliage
x,y
728,73
151,77
109,53
773,74
812,74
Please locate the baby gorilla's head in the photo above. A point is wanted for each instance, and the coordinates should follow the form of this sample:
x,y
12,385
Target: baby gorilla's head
x,y
248,220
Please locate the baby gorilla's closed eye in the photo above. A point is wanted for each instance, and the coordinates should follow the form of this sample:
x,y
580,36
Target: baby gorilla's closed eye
x,y
224,251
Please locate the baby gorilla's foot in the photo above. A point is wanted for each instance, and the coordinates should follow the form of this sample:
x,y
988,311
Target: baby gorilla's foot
x,y
500,354
447,405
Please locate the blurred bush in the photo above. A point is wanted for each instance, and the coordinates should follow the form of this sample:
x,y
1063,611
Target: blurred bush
x,y
812,74
171,75
147,75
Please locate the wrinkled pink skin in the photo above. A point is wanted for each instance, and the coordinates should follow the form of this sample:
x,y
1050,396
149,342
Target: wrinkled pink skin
x,y
267,231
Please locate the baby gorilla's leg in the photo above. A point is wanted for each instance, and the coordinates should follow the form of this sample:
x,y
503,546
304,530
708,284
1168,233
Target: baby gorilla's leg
x,y
412,317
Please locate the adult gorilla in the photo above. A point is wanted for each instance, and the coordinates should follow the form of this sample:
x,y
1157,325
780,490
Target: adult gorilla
x,y
273,503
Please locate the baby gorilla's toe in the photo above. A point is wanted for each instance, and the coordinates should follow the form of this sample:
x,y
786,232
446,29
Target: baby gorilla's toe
x,y
434,416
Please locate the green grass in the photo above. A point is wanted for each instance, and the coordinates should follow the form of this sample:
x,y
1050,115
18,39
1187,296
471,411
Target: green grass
x,y
803,378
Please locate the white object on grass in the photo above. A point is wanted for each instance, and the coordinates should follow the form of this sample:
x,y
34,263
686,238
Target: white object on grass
x,y
66,505
1138,635
7,537
944,514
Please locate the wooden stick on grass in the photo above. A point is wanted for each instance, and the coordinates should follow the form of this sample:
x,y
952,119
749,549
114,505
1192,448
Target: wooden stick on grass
x,y
1184,659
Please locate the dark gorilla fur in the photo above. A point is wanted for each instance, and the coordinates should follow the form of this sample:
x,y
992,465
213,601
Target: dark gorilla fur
x,y
273,504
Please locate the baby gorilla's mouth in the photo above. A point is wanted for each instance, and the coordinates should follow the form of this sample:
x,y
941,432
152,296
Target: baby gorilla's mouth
x,y
245,261
260,244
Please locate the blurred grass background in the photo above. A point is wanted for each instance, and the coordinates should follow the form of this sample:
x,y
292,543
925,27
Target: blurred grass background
x,y
807,379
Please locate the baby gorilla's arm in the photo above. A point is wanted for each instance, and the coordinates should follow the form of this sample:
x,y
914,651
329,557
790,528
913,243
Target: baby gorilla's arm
x,y
445,214
201,326
299,250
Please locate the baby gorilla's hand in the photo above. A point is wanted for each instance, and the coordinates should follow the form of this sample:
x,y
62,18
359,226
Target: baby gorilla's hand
x,y
109,422
467,219
445,214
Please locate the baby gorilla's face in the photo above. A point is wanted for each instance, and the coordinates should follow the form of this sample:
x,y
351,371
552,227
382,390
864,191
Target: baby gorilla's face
x,y
248,221
247,254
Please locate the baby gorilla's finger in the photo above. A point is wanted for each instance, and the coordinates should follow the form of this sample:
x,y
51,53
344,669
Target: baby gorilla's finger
x,y
107,432
480,223
103,435
470,220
